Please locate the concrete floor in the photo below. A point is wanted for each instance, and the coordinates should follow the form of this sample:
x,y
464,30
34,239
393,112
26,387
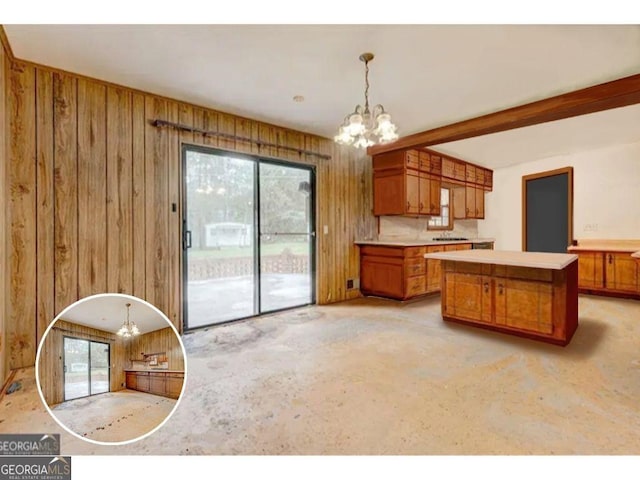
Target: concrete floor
x,y
378,377
115,416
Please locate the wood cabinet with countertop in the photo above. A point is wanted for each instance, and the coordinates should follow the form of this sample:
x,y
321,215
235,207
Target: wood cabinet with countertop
x,y
606,267
528,294
157,382
400,271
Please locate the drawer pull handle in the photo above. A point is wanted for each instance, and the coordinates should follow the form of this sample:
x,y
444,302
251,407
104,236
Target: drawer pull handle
x,y
421,206
610,259
486,287
500,287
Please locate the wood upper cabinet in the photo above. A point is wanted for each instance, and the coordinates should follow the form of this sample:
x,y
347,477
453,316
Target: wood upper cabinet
x,y
591,270
408,182
525,305
621,272
468,296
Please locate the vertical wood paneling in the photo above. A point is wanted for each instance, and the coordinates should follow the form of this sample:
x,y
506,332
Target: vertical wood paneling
x,y
138,182
101,183
4,218
158,341
156,201
22,171
51,366
119,192
45,273
92,172
65,190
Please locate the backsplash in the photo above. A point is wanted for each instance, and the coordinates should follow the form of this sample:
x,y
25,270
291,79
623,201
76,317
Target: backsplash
x,y
397,227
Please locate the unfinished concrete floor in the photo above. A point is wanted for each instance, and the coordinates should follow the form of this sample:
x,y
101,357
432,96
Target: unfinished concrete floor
x,y
378,377
115,416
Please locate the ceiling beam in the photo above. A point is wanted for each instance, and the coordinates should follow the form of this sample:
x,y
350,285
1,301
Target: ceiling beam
x,y
617,93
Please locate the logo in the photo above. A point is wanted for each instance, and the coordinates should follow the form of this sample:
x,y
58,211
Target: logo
x,y
35,468
29,444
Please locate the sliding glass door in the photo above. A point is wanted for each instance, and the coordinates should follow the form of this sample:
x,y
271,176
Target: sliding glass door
x,y
86,368
248,236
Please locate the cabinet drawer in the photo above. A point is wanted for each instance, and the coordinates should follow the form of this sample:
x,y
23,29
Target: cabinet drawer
x,y
415,286
414,266
175,375
414,252
436,165
412,159
470,174
372,250
157,374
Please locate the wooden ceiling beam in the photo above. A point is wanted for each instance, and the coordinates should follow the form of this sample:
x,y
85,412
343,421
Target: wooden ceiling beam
x,y
617,93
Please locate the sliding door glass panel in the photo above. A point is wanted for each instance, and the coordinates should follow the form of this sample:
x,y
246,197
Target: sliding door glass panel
x,y
286,236
76,368
219,238
99,367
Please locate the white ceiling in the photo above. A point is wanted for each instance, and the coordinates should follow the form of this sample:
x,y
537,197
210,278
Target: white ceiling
x,y
425,75
108,312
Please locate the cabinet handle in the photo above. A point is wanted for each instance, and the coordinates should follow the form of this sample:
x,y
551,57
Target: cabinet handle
x,y
433,207
500,286
476,211
408,205
610,259
486,287
467,211
421,206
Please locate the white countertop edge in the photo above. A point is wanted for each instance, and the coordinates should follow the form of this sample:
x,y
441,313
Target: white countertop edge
x,y
500,257
420,243
636,254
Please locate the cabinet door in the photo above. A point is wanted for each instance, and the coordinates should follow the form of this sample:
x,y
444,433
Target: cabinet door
x,y
131,381
479,203
174,385
389,193
590,270
142,382
412,180
524,305
157,384
434,269
459,202
470,207
468,296
434,196
621,272
425,194
382,276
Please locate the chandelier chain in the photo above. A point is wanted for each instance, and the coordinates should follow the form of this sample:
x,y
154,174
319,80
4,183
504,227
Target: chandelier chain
x,y
366,88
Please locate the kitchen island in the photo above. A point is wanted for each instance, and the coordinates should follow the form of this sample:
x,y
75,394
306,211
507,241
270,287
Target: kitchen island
x,y
528,294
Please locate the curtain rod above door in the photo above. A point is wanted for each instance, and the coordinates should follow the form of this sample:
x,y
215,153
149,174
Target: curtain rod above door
x,y
208,133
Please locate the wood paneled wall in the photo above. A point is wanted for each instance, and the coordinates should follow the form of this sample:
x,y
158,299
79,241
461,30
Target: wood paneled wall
x,y
164,340
4,217
92,188
51,366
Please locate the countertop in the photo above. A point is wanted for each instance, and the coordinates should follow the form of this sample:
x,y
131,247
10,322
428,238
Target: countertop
x,y
606,246
419,243
551,261
636,255
162,370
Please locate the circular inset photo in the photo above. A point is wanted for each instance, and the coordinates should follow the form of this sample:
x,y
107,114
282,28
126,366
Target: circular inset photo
x,y
111,369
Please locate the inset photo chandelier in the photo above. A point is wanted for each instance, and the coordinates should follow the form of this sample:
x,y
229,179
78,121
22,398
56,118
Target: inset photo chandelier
x,y
365,127
128,328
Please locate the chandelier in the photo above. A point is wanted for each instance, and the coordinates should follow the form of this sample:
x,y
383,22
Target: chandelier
x,y
128,328
365,127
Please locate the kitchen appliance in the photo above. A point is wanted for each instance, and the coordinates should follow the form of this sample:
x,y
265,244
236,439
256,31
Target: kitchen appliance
x,y
482,246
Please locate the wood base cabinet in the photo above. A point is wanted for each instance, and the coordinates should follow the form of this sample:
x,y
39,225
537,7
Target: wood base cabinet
x,y
529,302
608,273
401,272
167,384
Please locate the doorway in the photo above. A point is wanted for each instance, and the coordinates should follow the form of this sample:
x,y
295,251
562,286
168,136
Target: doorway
x,y
86,368
248,236
547,211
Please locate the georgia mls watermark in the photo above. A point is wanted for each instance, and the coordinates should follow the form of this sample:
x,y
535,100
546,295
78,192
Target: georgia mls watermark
x,y
30,444
35,468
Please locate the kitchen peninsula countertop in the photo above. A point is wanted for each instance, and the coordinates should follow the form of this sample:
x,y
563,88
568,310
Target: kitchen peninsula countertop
x,y
551,261
420,243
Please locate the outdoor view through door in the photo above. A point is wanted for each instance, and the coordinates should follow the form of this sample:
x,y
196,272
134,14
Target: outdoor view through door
x,y
249,239
86,368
